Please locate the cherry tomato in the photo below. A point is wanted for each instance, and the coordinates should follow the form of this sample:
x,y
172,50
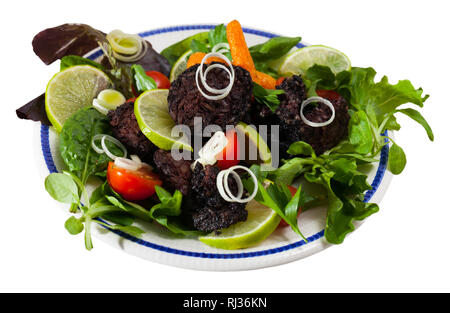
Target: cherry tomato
x,y
132,185
230,154
328,94
160,79
280,80
293,190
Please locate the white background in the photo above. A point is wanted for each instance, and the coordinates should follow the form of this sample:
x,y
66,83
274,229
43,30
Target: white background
x,y
404,247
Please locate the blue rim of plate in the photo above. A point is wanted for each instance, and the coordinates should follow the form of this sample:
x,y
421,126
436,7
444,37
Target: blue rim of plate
x,y
45,145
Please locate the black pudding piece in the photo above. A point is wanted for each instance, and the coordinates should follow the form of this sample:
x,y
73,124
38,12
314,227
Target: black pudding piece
x,y
186,102
212,212
293,128
126,129
176,174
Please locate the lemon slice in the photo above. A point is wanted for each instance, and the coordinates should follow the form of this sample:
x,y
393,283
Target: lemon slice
x,y
299,61
260,223
152,114
72,89
180,65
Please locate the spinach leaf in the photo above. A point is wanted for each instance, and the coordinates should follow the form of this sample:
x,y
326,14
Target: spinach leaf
x,y
273,48
175,51
268,97
73,60
197,46
62,188
75,143
142,81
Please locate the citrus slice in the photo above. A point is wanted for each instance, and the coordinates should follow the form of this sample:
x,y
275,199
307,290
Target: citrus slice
x,y
71,89
299,61
260,223
152,114
180,65
253,148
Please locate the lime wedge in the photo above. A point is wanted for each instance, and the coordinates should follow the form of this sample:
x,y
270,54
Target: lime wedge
x,y
180,65
253,148
152,114
260,223
72,89
299,61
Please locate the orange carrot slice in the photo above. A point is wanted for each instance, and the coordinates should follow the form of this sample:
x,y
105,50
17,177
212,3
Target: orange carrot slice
x,y
265,80
197,57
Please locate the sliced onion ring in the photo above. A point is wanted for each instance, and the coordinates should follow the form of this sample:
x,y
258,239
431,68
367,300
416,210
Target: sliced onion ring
x,y
223,46
127,164
99,107
224,189
126,54
321,100
218,93
114,141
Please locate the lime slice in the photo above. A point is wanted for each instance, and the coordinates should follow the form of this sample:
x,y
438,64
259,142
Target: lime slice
x,y
152,114
255,148
180,65
260,223
71,89
299,61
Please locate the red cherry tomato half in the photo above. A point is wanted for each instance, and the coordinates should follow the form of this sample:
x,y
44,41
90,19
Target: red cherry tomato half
x,y
293,190
230,154
132,185
328,94
280,80
162,82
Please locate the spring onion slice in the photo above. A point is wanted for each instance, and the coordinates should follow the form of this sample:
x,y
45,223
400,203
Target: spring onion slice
x,y
215,145
224,188
126,47
96,105
104,149
127,164
217,93
321,100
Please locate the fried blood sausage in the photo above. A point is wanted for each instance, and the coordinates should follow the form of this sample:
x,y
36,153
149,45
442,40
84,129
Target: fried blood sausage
x,y
186,101
176,174
292,127
126,129
212,212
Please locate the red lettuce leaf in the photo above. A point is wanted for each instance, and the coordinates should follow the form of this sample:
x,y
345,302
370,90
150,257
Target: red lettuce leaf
x,y
54,43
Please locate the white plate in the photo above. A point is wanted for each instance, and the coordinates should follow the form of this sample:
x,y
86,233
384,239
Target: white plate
x,y
158,245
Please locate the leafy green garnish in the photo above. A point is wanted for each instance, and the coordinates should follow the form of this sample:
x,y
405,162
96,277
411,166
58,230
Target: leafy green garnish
x,y
73,60
266,55
175,51
165,213
268,97
142,81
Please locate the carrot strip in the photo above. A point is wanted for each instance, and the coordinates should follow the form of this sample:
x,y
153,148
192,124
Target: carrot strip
x,y
238,47
265,80
197,57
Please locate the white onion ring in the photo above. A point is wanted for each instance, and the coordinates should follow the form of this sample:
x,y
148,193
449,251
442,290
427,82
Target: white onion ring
x,y
219,93
127,164
94,146
317,99
114,141
224,189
